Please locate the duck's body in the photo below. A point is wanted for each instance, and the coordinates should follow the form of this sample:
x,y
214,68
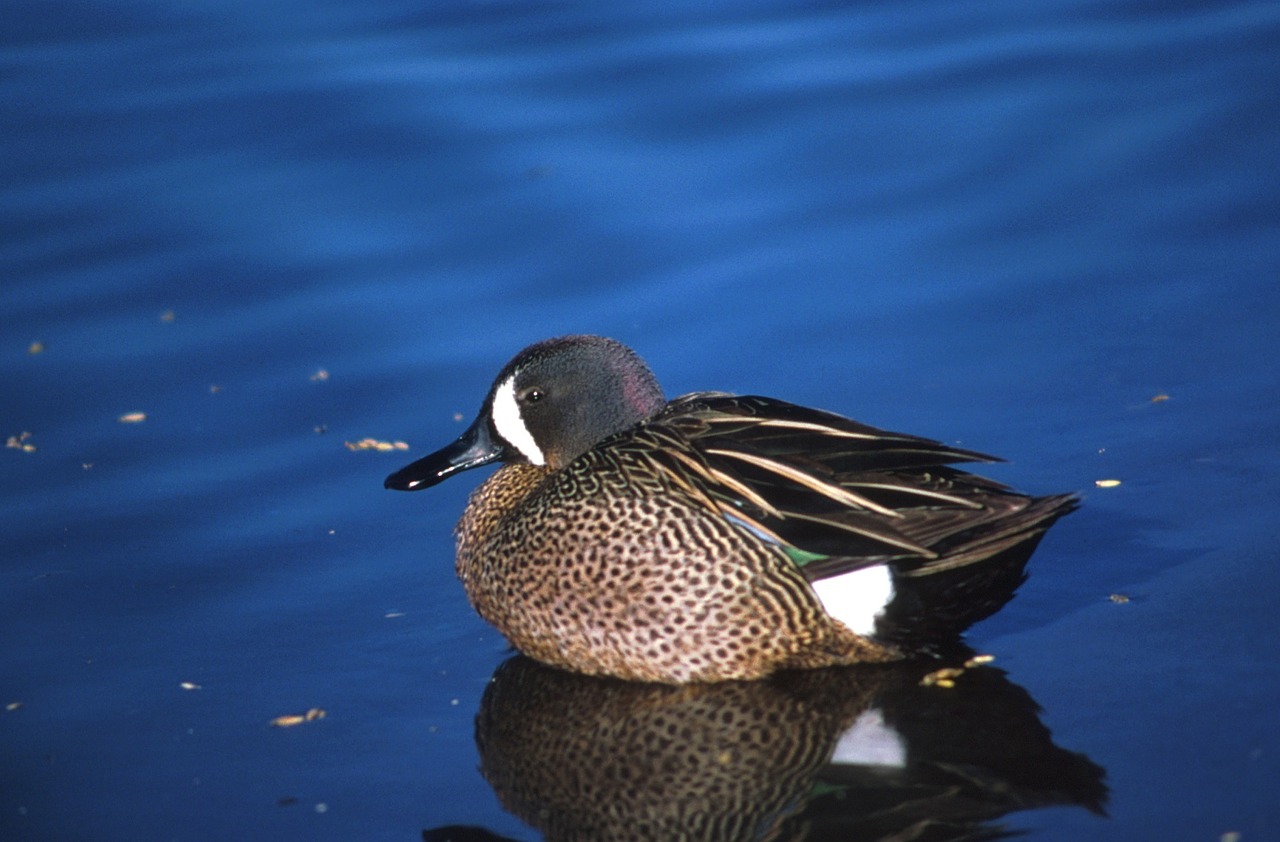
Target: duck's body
x,y
716,536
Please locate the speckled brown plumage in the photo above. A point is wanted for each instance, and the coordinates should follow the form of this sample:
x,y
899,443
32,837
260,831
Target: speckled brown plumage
x,y
606,569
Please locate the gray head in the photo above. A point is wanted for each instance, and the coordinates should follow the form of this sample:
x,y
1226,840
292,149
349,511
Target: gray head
x,y
553,402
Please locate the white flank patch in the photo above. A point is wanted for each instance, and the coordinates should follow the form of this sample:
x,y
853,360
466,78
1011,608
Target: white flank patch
x,y
856,598
870,742
506,418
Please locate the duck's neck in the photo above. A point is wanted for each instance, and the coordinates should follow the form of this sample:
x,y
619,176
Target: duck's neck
x,y
492,501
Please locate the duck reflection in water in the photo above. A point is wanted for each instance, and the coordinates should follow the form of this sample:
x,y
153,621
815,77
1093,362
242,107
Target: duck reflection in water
x,y
851,753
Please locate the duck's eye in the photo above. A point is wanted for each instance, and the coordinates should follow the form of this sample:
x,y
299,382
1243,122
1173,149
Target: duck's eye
x,y
531,395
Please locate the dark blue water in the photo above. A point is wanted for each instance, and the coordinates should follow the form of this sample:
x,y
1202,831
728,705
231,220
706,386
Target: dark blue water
x,y
275,228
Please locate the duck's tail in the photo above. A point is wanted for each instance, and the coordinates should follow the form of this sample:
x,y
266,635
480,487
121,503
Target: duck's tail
x,y
922,605
974,576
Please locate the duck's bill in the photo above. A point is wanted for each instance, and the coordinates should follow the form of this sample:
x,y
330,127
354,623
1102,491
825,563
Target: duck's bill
x,y
473,448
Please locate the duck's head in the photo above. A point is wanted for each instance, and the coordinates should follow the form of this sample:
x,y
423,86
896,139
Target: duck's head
x,y
550,404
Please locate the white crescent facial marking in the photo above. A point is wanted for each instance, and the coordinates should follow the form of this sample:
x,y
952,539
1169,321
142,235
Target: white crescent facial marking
x,y
856,598
871,742
506,419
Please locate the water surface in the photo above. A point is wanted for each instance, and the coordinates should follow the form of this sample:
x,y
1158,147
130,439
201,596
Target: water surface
x,y
275,228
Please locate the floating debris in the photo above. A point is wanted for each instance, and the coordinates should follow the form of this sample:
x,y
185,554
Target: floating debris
x,y
13,706
292,719
1160,398
132,418
1120,598
36,347
22,442
167,317
214,389
190,685
320,376
374,444
1106,483
946,677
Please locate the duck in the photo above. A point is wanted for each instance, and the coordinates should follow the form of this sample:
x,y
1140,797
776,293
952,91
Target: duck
x,y
717,536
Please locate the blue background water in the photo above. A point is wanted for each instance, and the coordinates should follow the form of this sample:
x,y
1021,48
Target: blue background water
x,y
1008,226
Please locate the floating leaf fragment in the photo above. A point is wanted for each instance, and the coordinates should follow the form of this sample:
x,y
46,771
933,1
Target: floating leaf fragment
x,y
292,719
36,347
1106,483
132,418
1160,398
20,442
944,677
374,444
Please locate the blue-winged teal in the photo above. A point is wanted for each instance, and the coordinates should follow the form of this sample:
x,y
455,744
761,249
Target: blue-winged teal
x,y
717,536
